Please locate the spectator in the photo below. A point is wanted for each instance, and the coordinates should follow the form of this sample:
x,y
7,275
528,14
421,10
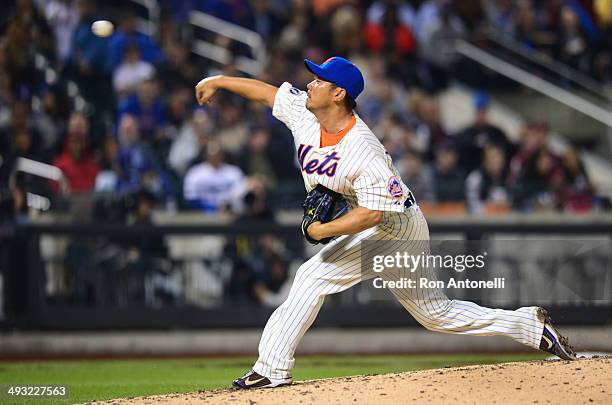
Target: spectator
x,y
472,140
270,284
385,98
394,40
539,184
135,157
179,103
213,185
293,37
13,205
178,110
323,8
577,193
345,30
534,137
239,288
34,114
527,29
107,179
602,64
127,34
181,69
252,268
265,22
500,14
396,137
572,43
110,206
191,142
26,34
437,46
145,255
63,16
255,159
51,118
255,201
429,133
89,51
132,71
232,132
449,178
234,11
42,37
471,13
431,16
20,120
603,12
26,145
90,67
488,183
376,12
602,69
76,162
6,94
148,109
417,176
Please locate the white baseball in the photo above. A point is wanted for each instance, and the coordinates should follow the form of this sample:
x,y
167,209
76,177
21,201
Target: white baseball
x,y
102,28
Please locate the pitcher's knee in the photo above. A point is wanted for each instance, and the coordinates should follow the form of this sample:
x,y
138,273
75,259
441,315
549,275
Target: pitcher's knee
x,y
305,286
435,317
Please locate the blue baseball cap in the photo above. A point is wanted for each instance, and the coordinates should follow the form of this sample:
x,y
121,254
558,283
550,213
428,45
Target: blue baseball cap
x,y
481,100
341,72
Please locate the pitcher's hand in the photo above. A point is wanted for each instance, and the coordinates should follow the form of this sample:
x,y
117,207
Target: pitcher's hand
x,y
206,88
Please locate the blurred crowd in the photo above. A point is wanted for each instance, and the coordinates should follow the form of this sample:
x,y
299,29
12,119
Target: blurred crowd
x,y
577,33
118,116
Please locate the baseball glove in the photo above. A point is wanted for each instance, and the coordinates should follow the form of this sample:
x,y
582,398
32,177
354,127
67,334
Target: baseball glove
x,y
323,205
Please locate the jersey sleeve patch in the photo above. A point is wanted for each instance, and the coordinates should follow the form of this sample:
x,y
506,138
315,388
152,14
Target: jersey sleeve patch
x,y
394,187
289,106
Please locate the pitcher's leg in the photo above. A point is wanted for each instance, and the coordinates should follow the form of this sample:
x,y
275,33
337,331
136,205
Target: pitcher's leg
x,y
464,317
334,269
434,310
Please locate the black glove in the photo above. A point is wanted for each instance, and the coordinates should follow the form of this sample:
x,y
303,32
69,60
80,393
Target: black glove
x,y
323,205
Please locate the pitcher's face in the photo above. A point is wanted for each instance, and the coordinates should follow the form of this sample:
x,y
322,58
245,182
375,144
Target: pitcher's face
x,y
320,94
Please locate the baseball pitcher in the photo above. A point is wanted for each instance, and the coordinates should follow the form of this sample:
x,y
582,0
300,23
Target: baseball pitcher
x,y
355,194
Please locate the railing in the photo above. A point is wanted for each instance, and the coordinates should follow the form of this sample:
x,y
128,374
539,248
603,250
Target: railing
x,y
40,169
149,26
534,82
35,254
546,62
235,32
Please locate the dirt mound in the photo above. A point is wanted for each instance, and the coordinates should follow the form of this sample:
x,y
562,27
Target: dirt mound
x,y
540,382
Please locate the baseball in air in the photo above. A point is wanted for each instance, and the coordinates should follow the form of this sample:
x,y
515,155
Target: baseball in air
x,y
102,28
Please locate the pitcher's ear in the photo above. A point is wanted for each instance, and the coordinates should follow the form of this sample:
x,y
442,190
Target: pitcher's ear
x,y
339,91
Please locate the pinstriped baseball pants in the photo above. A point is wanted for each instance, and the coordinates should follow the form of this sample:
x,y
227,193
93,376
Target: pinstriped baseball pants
x,y
337,267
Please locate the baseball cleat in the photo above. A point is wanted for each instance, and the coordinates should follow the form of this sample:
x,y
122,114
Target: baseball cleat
x,y
552,341
254,380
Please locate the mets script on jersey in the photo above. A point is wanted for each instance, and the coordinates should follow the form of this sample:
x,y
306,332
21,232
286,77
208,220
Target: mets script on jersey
x,y
358,167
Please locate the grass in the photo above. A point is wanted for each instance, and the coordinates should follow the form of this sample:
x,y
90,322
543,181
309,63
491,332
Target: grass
x,y
108,379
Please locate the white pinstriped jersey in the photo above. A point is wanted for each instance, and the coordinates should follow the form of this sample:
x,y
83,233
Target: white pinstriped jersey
x,y
357,167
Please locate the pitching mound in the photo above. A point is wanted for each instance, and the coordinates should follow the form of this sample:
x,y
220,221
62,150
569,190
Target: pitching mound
x,y
541,382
